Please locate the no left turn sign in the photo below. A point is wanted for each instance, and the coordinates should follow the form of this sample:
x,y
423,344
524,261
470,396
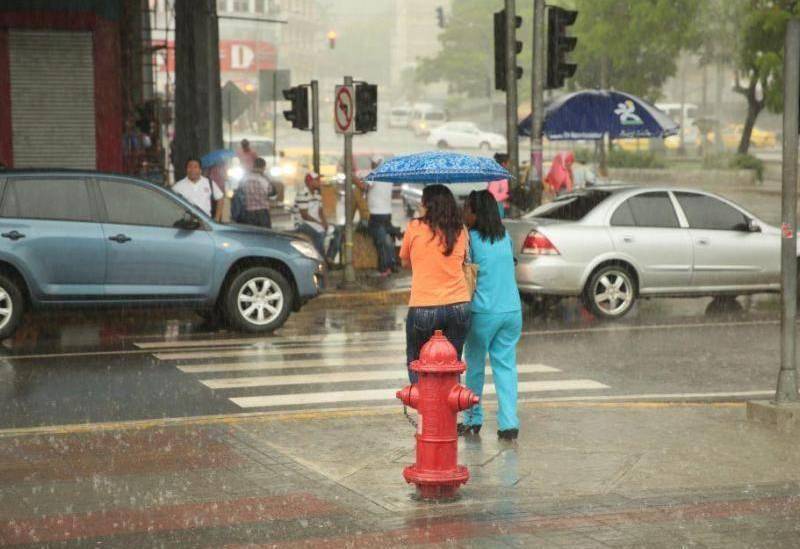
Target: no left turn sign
x,y
344,110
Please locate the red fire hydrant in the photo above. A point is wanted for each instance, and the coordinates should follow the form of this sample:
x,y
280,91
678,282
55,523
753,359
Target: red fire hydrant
x,y
438,398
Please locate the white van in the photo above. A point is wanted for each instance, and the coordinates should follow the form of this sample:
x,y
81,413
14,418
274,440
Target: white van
x,y
423,120
400,117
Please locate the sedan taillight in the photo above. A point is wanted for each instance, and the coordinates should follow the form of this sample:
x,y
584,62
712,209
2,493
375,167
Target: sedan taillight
x,y
538,244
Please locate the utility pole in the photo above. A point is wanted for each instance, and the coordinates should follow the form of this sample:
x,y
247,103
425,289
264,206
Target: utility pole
x,y
315,123
787,379
349,271
512,134
537,99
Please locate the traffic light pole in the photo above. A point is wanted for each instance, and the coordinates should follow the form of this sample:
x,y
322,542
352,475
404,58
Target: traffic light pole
x,y
349,271
787,379
315,123
511,89
537,99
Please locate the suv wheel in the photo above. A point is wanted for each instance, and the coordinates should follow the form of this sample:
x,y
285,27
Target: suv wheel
x,y
485,146
12,305
610,293
258,300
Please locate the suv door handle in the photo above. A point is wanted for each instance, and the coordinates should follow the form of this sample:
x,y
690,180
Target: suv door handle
x,y
703,241
121,238
627,238
13,235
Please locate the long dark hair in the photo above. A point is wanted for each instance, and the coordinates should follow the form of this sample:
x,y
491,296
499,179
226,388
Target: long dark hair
x,y
487,216
442,215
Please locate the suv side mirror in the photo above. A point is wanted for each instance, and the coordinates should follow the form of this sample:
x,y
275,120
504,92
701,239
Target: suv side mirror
x,y
189,222
753,226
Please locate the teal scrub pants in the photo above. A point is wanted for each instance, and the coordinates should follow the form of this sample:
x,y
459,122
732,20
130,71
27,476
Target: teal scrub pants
x,y
497,334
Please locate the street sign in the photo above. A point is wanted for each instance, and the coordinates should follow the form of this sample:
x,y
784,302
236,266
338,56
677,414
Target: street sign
x,y
270,84
344,110
234,102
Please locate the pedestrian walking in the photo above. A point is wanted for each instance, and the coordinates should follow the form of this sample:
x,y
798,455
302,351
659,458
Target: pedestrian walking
x,y
247,156
335,243
310,217
496,323
199,190
218,174
435,248
559,178
499,188
379,200
251,200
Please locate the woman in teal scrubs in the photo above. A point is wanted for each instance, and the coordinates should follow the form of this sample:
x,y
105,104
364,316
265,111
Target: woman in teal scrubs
x,y
496,316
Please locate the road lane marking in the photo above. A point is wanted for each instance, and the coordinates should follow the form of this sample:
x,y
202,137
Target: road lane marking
x,y
318,414
289,340
389,394
318,363
242,353
528,333
335,377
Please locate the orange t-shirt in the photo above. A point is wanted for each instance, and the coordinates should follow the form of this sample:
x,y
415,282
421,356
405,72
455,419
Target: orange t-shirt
x,y
436,279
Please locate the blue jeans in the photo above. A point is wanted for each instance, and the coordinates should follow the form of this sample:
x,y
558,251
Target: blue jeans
x,y
317,238
379,226
497,334
422,322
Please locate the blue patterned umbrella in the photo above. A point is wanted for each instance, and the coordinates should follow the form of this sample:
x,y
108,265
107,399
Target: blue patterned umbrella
x,y
214,157
438,167
590,114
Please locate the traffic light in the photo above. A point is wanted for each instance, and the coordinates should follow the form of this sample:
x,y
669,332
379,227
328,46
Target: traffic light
x,y
440,16
332,39
559,45
298,116
366,108
500,33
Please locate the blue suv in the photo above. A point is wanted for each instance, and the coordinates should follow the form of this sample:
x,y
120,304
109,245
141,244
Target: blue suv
x,y
87,238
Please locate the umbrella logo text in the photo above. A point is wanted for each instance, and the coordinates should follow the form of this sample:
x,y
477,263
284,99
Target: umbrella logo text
x,y
627,114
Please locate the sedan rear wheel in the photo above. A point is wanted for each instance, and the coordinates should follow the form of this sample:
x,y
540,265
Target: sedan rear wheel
x,y
258,300
611,292
442,144
485,146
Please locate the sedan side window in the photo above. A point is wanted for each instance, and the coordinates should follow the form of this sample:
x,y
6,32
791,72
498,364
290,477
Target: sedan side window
x,y
646,210
706,212
131,204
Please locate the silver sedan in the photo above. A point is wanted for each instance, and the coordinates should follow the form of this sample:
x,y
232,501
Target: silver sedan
x,y
610,245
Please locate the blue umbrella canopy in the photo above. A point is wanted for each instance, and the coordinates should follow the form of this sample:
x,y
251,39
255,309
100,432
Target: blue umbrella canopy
x,y
591,114
214,157
438,167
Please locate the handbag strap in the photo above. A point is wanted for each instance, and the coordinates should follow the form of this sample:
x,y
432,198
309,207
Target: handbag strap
x,y
468,254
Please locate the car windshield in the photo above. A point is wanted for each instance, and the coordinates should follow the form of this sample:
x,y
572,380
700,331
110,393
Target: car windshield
x,y
571,207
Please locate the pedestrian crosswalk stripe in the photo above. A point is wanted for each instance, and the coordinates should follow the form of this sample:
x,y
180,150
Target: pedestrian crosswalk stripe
x,y
287,340
318,363
330,397
230,353
335,377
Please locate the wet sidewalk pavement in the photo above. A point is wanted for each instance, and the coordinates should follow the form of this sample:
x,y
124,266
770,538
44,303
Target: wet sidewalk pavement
x,y
581,475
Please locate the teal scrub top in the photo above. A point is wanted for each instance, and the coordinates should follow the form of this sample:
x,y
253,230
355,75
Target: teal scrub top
x,y
496,290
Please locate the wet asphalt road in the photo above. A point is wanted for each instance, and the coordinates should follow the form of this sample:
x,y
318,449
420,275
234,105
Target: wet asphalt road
x,y
119,366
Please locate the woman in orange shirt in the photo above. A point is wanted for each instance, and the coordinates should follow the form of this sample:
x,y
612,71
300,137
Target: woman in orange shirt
x,y
434,248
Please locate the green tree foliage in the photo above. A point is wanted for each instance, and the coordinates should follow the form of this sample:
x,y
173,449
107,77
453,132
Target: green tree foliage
x,y
758,59
466,60
638,41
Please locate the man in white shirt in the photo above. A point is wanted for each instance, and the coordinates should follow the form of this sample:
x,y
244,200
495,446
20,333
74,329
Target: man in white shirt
x,y
379,200
310,216
199,190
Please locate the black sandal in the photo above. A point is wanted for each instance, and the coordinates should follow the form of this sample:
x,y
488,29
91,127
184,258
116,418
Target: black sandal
x,y
468,429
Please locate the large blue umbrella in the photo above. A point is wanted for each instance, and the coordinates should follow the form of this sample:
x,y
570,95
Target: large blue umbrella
x,y
438,167
215,157
591,114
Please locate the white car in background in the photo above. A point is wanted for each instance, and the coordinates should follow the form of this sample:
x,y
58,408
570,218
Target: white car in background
x,y
465,135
